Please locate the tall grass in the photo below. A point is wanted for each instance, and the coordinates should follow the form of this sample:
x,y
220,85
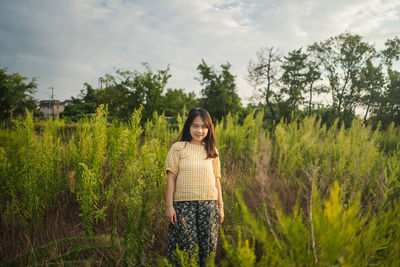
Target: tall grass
x,y
303,195
350,156
31,170
238,143
327,196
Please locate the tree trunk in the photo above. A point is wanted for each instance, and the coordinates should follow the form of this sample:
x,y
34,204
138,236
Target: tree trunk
x,y
268,90
309,104
366,112
271,109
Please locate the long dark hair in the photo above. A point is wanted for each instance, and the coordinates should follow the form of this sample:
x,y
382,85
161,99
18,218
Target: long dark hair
x,y
210,138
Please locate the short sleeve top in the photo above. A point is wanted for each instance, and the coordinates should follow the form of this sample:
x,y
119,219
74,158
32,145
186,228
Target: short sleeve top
x,y
195,173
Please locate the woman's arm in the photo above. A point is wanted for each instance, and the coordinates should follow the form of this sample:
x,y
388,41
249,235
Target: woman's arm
x,y
220,202
170,213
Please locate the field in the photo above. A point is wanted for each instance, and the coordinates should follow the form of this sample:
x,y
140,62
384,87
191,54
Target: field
x,y
301,195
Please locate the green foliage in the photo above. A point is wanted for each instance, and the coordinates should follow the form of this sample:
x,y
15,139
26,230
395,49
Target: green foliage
x,y
141,193
342,58
357,77
336,228
340,216
151,86
371,84
183,258
89,161
341,235
391,53
350,156
219,90
29,186
15,95
241,255
312,195
389,102
175,99
123,93
109,168
238,142
294,77
80,109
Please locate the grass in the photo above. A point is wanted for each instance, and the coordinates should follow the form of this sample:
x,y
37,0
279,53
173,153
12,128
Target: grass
x,y
304,194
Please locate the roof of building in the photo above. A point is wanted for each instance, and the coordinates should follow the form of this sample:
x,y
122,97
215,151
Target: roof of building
x,y
54,102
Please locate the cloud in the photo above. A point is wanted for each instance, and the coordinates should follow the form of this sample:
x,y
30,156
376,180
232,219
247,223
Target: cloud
x,y
67,43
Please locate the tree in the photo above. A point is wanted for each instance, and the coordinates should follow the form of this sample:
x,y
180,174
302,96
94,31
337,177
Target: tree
x,y
294,78
150,86
385,107
90,95
123,93
390,104
343,58
263,75
15,94
371,83
298,78
116,94
392,97
128,90
391,52
313,74
175,99
85,104
219,90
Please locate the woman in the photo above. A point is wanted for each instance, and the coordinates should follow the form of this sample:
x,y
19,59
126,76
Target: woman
x,y
194,203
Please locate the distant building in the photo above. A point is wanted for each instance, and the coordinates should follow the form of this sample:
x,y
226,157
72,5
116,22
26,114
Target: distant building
x,y
52,107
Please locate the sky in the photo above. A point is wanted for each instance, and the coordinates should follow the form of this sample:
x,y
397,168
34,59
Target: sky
x,y
67,43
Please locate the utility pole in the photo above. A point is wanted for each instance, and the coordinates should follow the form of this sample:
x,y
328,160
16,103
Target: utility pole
x,y
52,102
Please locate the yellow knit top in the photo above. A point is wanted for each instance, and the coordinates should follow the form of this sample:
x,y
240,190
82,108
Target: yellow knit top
x,y
195,173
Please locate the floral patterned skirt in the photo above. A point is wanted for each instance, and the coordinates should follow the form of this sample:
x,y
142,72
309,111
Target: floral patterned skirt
x,y
197,223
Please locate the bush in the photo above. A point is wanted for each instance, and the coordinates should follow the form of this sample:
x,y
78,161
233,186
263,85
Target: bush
x,y
305,194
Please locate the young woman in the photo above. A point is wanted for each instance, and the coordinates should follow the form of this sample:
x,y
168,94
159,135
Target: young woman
x,y
194,203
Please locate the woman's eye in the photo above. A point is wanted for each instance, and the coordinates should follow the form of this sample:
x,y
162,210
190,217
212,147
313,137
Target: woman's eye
x,y
197,127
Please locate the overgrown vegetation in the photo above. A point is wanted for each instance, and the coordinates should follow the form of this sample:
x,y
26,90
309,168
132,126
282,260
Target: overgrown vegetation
x,y
332,78
304,195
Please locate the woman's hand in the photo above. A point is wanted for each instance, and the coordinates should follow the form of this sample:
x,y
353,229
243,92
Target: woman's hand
x,y
170,215
221,213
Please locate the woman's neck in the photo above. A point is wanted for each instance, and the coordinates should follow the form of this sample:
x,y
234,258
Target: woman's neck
x,y
198,143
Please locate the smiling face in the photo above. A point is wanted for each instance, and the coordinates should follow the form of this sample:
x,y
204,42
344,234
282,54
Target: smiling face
x,y
198,130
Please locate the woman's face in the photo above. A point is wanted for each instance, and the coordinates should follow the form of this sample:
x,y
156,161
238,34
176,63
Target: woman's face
x,y
198,130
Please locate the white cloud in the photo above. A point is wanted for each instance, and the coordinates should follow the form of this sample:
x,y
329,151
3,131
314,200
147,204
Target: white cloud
x,y
71,42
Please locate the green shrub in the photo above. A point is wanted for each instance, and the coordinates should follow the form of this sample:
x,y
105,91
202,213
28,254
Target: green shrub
x,y
311,195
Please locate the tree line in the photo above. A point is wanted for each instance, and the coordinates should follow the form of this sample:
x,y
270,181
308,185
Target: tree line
x,y
126,91
349,71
